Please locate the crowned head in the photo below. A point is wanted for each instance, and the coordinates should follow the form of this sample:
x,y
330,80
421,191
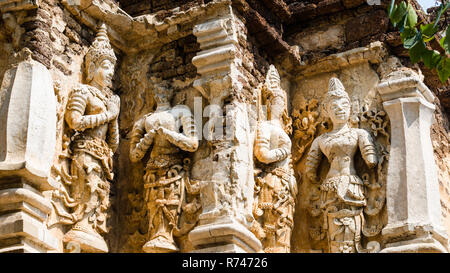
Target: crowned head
x,y
276,98
100,60
336,103
162,93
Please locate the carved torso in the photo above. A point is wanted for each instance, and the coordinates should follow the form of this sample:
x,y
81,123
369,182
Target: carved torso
x,y
166,180
88,101
165,119
96,104
274,137
340,148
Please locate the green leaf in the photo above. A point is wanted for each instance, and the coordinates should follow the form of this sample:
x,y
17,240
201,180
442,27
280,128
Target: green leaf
x,y
391,8
411,17
443,69
445,41
428,32
431,58
399,12
412,41
416,52
408,33
402,23
441,41
442,9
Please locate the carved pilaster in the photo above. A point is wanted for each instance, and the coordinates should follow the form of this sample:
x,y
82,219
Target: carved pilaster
x,y
227,192
414,212
217,62
27,146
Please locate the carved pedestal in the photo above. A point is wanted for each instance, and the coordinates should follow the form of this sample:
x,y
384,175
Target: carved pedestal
x,y
27,146
24,212
414,212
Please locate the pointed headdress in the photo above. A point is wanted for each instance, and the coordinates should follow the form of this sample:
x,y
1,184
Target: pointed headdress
x,y
100,49
335,90
269,94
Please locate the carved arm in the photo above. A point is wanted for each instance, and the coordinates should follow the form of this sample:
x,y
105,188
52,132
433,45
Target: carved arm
x,y
187,140
76,107
367,148
313,160
262,149
140,141
113,135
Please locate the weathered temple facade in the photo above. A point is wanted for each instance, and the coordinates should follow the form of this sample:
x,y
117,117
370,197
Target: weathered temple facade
x,y
223,126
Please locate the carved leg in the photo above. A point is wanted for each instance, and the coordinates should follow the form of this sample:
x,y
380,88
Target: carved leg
x,y
85,232
163,222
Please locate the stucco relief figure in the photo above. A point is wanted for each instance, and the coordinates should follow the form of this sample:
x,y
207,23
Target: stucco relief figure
x,y
342,191
276,185
168,190
92,115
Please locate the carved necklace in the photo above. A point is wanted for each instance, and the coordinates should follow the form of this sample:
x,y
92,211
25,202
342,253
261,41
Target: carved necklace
x,y
331,137
339,133
102,95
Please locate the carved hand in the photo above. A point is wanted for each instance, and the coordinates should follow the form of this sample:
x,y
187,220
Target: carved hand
x,y
164,132
161,131
149,136
372,161
113,107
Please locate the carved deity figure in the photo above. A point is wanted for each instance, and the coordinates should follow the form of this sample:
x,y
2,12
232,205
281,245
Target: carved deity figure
x,y
342,191
276,185
92,113
166,179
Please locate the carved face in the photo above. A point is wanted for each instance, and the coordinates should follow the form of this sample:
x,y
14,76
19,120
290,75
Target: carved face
x,y
9,21
104,73
276,107
162,94
338,110
273,83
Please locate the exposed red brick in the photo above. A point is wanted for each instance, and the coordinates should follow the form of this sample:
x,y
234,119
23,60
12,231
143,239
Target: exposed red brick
x,y
366,25
302,12
329,6
353,3
280,8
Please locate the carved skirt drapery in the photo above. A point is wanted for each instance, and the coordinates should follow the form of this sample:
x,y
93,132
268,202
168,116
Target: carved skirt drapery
x,y
343,201
276,207
92,164
164,184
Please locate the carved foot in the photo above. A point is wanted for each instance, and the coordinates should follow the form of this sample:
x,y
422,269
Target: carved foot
x,y
88,242
160,244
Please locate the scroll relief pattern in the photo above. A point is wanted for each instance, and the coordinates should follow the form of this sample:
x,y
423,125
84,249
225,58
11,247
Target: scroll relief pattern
x,y
275,186
346,207
91,137
170,196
